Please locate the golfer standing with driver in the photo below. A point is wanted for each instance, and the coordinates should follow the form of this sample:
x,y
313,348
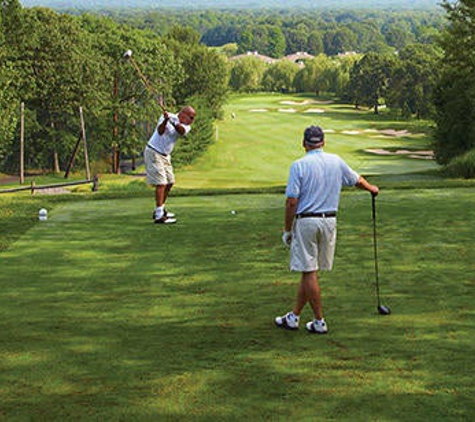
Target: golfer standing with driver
x,y
313,195
157,156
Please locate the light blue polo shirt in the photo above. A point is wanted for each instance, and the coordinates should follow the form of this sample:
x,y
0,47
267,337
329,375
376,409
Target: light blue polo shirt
x,y
316,181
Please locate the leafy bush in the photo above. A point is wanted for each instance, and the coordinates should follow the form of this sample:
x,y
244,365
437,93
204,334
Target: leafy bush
x,y
201,136
462,166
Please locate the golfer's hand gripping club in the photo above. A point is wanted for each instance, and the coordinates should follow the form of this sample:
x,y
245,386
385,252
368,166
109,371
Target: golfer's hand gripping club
x,y
287,239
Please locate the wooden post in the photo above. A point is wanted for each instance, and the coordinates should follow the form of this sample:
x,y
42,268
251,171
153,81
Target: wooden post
x,y
95,184
32,187
22,144
73,157
115,130
86,156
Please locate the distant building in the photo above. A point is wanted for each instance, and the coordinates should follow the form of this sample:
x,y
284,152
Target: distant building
x,y
347,53
265,59
299,57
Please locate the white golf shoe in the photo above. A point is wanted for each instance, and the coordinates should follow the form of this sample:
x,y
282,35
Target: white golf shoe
x,y
166,216
317,327
169,214
165,220
289,321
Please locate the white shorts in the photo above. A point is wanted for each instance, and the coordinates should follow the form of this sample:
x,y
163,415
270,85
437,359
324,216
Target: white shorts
x,y
313,244
158,168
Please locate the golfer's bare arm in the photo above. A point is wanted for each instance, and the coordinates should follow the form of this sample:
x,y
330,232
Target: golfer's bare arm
x,y
290,208
178,126
364,184
162,126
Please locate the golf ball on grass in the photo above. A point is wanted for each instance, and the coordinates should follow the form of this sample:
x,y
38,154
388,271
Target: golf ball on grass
x,y
43,214
233,212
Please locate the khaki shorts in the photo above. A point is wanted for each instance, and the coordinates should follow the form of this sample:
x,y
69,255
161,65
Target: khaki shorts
x,y
313,244
158,168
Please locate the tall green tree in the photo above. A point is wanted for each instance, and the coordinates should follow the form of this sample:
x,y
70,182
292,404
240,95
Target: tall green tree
x,y
455,96
197,141
415,77
325,74
370,78
246,74
314,43
276,42
9,101
279,76
398,34
204,75
67,75
339,40
297,39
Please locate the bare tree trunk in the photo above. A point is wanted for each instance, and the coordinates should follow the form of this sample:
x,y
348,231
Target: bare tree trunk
x,y
55,153
56,161
22,144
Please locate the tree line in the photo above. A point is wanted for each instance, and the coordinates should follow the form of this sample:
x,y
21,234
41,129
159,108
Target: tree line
x,y
54,63
283,32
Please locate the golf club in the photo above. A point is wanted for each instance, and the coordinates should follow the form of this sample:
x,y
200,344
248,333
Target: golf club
x,y
382,309
128,56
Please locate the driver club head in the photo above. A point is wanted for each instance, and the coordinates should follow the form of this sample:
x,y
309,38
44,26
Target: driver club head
x,y
383,310
127,54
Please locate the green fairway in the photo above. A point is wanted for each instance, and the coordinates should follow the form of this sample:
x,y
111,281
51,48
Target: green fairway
x,y
106,316
256,146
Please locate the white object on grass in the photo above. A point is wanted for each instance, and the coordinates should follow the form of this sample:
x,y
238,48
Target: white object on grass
x,y
43,214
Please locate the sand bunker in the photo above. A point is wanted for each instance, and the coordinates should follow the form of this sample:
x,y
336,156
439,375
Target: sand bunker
x,y
425,155
315,110
386,132
258,110
395,133
305,102
287,110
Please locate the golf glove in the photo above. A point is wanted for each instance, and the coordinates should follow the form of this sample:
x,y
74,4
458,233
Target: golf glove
x,y
287,238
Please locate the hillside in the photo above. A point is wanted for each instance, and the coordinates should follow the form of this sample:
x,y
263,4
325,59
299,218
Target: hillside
x,y
236,4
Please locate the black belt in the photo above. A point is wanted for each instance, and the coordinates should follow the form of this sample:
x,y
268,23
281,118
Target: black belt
x,y
157,151
317,215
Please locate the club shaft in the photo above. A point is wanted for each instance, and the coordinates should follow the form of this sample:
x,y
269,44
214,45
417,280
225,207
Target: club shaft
x,y
375,247
146,82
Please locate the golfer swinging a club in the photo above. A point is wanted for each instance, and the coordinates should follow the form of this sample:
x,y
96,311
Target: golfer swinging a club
x,y
313,194
157,156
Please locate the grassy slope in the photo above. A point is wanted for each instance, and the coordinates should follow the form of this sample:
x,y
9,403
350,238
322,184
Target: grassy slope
x,y
256,148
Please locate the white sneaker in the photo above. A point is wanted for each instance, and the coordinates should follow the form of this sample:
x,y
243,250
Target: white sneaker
x,y
165,220
169,214
289,321
317,327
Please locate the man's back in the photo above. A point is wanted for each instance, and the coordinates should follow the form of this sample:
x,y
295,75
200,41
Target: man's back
x,y
316,180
